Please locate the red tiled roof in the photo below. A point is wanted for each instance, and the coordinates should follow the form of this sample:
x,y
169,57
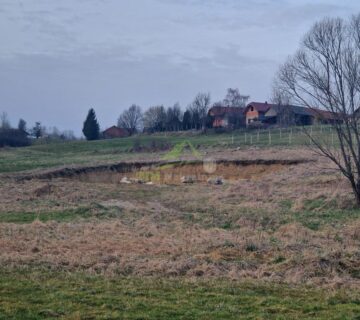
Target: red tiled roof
x,y
221,111
323,114
260,106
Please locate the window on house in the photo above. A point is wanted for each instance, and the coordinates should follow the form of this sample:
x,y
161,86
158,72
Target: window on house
x,y
251,108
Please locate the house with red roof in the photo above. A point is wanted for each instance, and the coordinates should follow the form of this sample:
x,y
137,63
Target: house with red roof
x,y
255,112
227,117
115,132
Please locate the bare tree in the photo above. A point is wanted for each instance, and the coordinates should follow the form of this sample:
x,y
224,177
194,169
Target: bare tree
x,y
280,97
68,135
155,119
200,107
233,98
324,74
282,101
173,118
54,132
131,119
4,121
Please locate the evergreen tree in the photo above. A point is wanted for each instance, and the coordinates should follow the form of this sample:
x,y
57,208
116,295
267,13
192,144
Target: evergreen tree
x,y
37,131
91,128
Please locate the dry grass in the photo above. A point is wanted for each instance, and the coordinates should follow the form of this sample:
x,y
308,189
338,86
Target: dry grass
x,y
247,228
292,254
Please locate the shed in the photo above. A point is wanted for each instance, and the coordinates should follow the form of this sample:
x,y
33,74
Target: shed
x,y
115,132
289,115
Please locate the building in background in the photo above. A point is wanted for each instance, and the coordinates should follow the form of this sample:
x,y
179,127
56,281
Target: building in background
x,y
255,112
259,114
227,117
115,132
289,116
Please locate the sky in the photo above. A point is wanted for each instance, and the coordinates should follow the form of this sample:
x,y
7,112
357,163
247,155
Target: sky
x,y
60,58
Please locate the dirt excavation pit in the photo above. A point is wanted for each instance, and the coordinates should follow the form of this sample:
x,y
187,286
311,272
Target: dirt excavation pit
x,y
172,172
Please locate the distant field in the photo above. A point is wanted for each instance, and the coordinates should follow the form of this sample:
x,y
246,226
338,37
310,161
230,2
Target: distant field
x,y
82,152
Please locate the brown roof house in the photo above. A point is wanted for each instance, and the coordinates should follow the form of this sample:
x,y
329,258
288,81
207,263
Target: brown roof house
x,y
227,117
258,113
289,115
115,132
255,112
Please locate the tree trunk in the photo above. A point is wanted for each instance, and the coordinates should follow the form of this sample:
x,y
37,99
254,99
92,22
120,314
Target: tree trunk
x,y
356,190
357,194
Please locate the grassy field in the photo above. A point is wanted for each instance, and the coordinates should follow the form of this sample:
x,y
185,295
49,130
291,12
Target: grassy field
x,y
45,295
273,242
82,152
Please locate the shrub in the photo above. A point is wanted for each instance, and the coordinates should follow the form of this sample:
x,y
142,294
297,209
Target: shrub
x,y
13,138
251,247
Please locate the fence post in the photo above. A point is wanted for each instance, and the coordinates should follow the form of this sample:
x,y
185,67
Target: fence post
x,y
269,137
332,138
280,134
258,136
251,139
290,136
245,138
232,139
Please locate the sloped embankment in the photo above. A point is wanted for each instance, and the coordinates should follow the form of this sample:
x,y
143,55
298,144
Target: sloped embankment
x,y
168,171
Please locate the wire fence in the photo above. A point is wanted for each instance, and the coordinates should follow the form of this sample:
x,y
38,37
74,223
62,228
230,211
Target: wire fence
x,y
282,136
290,136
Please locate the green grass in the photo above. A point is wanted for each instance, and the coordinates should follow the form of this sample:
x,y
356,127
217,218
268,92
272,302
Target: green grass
x,y
28,217
86,152
316,219
94,211
318,213
41,295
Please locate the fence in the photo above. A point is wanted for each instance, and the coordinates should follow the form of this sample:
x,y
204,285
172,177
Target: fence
x,y
283,136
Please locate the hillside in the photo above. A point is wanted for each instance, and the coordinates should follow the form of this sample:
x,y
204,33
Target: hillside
x,y
47,155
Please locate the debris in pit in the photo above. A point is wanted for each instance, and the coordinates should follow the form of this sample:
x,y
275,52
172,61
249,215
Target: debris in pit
x,y
135,180
216,181
187,179
125,180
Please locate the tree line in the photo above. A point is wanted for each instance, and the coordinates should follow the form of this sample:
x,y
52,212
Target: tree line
x,y
160,118
21,135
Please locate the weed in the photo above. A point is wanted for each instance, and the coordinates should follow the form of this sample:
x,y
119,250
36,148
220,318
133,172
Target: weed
x,y
279,259
251,247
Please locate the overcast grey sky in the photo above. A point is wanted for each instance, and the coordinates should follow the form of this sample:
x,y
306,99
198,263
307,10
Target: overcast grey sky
x,y
59,58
